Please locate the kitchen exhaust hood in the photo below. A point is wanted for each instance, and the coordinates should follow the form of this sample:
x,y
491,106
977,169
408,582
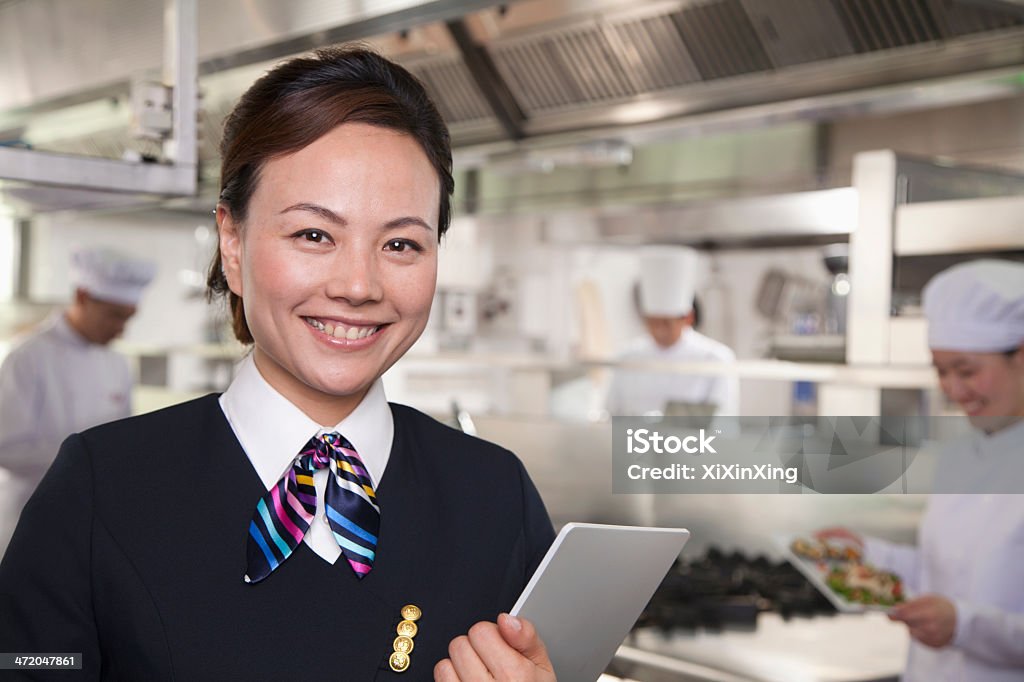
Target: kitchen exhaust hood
x,y
529,74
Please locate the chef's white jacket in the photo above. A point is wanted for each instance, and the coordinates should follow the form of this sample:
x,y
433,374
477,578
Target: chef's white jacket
x,y
636,392
52,384
971,551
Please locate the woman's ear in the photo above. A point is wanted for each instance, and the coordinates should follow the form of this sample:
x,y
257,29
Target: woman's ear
x,y
1017,356
229,232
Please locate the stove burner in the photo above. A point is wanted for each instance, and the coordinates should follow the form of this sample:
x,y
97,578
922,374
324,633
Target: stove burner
x,y
728,590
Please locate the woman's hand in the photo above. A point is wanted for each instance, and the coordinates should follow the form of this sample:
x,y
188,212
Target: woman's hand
x,y
507,651
931,619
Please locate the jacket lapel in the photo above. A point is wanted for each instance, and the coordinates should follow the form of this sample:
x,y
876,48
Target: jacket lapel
x,y
404,567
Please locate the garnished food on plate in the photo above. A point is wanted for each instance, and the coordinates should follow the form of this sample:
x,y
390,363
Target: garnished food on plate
x,y
808,549
865,584
839,568
816,550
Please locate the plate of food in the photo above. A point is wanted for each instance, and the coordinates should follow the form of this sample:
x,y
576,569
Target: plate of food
x,y
839,571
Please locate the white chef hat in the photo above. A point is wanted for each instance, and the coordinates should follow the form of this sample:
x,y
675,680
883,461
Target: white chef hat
x,y
976,306
668,280
111,275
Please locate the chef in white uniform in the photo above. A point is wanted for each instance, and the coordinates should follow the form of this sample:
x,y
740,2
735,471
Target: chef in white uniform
x,y
966,575
668,279
63,378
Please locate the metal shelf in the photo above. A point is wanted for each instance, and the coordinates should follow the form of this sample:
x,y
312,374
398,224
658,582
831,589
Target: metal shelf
x,y
879,376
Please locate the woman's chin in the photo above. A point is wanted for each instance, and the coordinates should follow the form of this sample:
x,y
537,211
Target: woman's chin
x,y
991,423
342,389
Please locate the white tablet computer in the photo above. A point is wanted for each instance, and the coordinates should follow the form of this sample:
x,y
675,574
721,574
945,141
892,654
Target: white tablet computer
x,y
590,588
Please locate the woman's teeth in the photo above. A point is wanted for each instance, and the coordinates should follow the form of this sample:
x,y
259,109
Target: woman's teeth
x,y
341,331
972,407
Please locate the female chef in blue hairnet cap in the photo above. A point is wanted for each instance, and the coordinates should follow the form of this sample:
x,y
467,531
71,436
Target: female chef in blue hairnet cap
x,y
967,571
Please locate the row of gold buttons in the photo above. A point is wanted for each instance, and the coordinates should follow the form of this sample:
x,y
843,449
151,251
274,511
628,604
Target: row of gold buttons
x,y
403,644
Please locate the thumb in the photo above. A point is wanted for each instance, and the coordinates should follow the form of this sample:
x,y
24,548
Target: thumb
x,y
907,612
520,634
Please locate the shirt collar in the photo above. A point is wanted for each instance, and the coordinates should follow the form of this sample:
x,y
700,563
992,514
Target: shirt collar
x,y
58,321
1006,441
272,430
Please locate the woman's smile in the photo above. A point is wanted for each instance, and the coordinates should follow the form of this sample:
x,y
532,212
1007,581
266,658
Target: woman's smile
x,y
344,335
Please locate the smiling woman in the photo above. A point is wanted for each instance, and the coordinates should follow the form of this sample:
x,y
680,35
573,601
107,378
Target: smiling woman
x,y
303,100
335,264
965,614
298,526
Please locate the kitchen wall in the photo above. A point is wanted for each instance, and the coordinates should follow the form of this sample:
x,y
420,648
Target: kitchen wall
x,y
8,256
565,295
9,251
170,312
528,264
534,272
767,159
988,133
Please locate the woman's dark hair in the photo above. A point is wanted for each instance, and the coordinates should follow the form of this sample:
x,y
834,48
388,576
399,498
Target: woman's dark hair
x,y
300,101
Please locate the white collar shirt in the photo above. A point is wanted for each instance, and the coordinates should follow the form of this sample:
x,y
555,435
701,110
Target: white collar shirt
x,y
272,431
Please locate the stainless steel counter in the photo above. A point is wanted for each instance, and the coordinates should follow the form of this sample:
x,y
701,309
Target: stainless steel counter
x,y
840,648
571,465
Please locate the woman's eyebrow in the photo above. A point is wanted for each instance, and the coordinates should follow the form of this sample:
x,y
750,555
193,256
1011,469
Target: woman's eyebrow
x,y
317,209
406,221
331,216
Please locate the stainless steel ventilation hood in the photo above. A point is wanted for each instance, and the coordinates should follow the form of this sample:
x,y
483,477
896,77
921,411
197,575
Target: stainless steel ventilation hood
x,y
636,62
521,71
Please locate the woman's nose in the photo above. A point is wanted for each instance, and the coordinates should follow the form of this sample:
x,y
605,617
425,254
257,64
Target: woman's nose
x,y
354,276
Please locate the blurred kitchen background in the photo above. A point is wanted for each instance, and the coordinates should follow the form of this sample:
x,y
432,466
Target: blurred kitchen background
x,y
826,157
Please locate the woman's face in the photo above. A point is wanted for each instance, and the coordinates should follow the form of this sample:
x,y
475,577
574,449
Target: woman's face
x,y
336,264
988,387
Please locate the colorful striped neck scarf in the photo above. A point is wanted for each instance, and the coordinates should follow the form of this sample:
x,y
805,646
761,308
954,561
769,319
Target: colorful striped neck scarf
x,y
284,514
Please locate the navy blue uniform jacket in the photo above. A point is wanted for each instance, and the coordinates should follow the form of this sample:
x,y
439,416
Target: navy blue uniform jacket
x,y
133,548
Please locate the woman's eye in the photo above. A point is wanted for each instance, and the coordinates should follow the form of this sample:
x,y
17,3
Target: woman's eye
x,y
402,245
312,236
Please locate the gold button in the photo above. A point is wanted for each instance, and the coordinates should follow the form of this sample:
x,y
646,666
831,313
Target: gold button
x,y
407,628
399,662
411,612
403,644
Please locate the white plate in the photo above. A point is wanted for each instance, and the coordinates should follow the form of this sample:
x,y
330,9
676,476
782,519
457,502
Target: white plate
x,y
810,569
